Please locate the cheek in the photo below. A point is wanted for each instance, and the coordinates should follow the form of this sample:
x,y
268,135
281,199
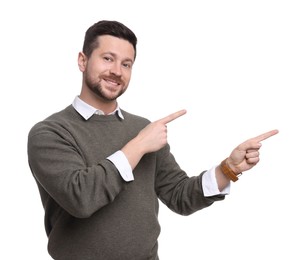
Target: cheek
x,y
92,70
127,76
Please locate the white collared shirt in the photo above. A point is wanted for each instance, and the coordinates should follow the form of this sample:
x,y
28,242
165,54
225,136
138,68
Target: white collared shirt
x,y
86,110
209,182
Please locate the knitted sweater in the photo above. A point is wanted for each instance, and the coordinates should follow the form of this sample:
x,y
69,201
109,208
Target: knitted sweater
x,y
91,213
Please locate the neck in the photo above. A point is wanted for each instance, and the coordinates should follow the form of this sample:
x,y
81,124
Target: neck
x,y
98,103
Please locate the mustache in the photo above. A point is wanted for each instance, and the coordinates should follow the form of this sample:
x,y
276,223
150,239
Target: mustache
x,y
113,76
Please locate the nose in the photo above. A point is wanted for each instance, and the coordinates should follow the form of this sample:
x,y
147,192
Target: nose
x,y
116,69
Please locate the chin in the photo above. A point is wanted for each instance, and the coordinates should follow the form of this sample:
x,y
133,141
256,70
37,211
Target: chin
x,y
110,97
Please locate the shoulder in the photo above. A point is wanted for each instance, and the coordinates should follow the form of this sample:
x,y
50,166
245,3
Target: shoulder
x,y
54,122
136,119
130,116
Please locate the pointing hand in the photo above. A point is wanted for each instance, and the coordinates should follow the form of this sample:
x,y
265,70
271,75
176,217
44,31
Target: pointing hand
x,y
246,155
154,136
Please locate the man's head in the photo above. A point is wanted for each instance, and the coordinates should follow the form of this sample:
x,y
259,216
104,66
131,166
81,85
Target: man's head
x,y
106,61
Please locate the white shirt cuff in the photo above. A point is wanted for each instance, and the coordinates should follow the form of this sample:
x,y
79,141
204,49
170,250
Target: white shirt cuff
x,y
120,161
210,186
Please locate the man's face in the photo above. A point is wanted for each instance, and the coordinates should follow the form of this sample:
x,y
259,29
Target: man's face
x,y
107,71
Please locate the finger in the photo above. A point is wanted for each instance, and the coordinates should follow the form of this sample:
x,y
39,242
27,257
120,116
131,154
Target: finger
x,y
254,143
266,135
251,154
252,150
172,116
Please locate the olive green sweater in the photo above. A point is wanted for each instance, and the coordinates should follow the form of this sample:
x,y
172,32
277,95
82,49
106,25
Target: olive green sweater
x,y
91,213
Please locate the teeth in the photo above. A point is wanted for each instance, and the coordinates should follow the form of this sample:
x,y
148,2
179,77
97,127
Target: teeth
x,y
112,82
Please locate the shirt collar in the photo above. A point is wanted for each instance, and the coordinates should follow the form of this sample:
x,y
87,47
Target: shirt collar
x,y
86,110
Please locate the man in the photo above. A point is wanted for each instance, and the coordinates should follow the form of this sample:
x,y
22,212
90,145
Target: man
x,y
100,170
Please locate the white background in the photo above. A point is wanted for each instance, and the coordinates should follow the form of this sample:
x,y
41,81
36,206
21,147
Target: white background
x,y
234,65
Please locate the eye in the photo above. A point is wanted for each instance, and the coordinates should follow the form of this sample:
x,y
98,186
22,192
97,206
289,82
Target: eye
x,y
127,65
107,58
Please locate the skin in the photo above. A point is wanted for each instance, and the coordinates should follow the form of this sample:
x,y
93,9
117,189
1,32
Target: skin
x,y
106,76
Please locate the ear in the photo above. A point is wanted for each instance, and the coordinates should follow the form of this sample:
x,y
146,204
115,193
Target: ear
x,y
82,60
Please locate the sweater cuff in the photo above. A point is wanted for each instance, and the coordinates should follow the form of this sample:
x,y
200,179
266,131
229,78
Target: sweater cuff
x,y
120,161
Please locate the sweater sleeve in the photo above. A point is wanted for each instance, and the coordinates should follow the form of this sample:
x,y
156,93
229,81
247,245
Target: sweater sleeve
x,y
61,170
181,193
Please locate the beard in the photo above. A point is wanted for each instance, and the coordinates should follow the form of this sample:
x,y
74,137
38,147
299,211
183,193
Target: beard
x,y
99,90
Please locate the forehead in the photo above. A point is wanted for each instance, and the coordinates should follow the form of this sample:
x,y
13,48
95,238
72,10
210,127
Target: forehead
x,y
119,47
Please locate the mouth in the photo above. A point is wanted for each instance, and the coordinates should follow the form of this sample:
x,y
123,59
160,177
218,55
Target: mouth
x,y
112,85
112,81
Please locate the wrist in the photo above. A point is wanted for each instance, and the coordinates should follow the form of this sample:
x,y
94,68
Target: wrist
x,y
228,172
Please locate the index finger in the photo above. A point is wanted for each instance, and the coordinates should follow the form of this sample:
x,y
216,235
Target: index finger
x,y
266,135
172,116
